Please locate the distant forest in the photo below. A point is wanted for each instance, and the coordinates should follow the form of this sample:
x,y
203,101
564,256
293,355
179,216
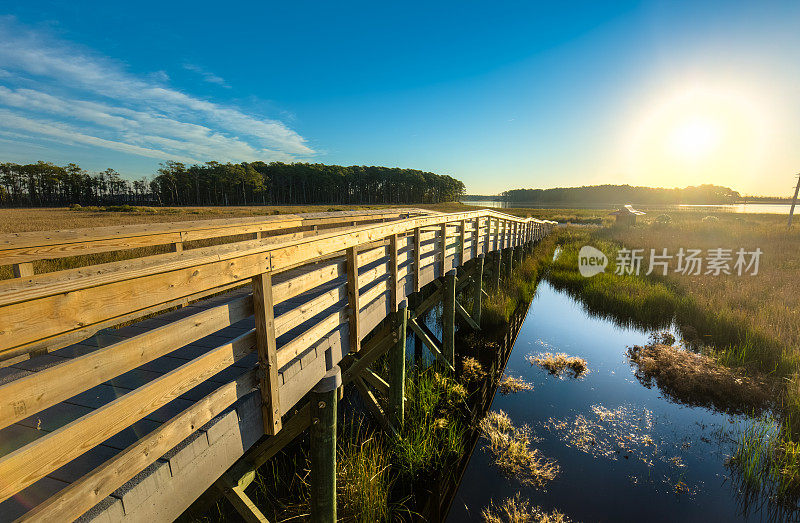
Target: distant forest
x,y
45,184
622,194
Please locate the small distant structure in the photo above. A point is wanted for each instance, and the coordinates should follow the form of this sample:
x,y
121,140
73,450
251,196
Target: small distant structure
x,y
627,215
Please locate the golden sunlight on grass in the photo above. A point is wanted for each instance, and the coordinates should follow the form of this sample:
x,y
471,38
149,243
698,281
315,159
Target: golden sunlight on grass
x,y
558,364
512,453
510,385
516,510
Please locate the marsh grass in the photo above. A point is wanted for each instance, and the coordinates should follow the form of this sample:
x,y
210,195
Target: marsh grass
x,y
518,289
434,433
511,385
560,364
512,453
699,380
471,370
765,464
516,510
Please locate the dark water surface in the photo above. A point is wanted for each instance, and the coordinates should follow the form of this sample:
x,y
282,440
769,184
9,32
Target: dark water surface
x,y
652,459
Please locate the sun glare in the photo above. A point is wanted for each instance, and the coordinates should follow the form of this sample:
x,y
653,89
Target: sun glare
x,y
698,136
695,138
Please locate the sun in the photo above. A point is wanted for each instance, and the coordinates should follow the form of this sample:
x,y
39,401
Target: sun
x,y
695,138
697,135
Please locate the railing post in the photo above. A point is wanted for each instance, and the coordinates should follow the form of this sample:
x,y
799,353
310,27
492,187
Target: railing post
x,y
23,270
267,352
397,369
353,299
476,235
449,317
323,447
497,267
477,295
417,258
463,241
444,248
393,268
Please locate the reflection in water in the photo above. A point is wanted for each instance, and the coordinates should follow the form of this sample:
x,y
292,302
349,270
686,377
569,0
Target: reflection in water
x,y
625,452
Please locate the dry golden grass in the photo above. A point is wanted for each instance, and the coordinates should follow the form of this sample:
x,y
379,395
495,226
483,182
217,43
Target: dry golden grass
x,y
695,379
516,510
512,453
768,303
472,370
558,364
510,385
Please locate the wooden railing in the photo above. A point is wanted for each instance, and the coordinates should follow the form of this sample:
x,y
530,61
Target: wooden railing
x,y
366,270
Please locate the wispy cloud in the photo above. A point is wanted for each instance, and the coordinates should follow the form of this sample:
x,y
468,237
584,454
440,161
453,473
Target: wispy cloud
x,y
60,91
207,76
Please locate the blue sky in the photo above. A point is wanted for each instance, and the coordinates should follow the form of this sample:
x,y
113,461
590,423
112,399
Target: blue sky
x,y
498,94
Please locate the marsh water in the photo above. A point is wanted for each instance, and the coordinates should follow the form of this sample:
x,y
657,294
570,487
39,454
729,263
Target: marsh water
x,y
625,452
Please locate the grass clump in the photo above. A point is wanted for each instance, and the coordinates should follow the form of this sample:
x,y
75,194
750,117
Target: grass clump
x,y
560,364
512,453
766,465
433,434
695,379
510,385
516,510
471,370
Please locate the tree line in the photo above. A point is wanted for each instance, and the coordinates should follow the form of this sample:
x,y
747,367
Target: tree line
x,y
258,183
623,194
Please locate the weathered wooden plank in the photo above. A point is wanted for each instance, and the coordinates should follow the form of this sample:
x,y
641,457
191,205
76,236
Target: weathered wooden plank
x,y
267,352
83,494
294,317
36,319
302,342
326,272
27,396
28,464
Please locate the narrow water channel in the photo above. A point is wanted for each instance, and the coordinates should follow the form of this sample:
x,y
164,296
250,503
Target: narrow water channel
x,y
625,452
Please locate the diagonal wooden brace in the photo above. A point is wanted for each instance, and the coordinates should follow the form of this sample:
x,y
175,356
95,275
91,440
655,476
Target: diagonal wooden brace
x,y
460,310
433,345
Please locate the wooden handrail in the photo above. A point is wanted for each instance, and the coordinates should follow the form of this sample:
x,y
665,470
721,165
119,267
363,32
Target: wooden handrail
x,y
42,308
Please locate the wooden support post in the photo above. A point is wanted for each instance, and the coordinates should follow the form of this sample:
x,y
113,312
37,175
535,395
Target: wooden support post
x,y
510,256
394,290
498,258
449,317
267,352
353,299
477,293
444,249
323,447
397,369
23,270
463,242
417,259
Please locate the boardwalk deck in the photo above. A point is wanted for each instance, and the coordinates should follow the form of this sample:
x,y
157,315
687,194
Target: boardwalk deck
x,y
145,417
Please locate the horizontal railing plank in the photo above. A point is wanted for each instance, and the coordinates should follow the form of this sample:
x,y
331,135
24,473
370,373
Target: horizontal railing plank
x,y
26,465
31,394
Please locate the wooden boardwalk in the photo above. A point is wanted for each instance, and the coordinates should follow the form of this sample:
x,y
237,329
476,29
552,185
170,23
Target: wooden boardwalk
x,y
227,326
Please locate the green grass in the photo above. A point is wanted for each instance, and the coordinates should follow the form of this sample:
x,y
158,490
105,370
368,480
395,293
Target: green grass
x,y
432,436
520,288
